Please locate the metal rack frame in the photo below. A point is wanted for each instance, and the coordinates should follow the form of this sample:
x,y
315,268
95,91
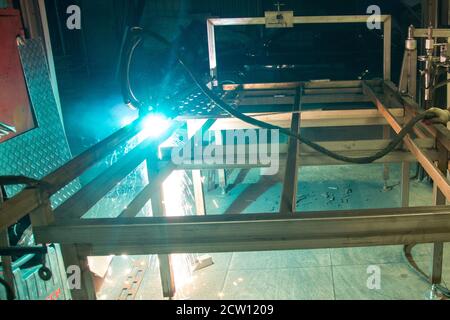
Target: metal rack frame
x,y
386,20
288,229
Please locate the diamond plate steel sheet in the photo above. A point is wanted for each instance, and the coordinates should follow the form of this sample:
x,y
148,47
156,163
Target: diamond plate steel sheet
x,y
42,150
35,154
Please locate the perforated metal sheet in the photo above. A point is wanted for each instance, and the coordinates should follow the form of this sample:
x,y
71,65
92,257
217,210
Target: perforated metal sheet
x,y
198,105
40,151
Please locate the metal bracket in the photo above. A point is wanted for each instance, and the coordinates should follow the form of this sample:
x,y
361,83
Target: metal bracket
x,y
44,272
29,182
20,251
279,19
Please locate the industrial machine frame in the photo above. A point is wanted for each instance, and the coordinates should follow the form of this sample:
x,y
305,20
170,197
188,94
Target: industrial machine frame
x,y
289,229
386,20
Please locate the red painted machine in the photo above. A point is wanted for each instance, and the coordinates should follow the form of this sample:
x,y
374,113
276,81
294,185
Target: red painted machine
x,y
16,115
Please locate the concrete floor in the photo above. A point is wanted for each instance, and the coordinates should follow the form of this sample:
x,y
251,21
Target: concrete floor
x,y
300,274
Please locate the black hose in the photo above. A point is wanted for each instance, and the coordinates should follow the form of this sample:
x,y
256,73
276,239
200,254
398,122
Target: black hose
x,y
250,120
127,92
30,182
21,261
9,291
441,84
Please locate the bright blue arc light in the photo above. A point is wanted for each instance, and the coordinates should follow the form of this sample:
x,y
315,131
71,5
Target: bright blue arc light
x,y
154,125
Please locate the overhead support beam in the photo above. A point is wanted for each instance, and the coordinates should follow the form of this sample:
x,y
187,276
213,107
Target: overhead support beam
x,y
297,20
305,160
306,157
291,92
312,119
314,84
437,33
275,100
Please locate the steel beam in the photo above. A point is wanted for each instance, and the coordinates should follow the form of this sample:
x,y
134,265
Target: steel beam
x,y
289,191
221,22
255,232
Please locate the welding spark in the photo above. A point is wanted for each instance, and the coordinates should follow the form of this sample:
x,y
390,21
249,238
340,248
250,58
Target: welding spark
x,y
176,204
